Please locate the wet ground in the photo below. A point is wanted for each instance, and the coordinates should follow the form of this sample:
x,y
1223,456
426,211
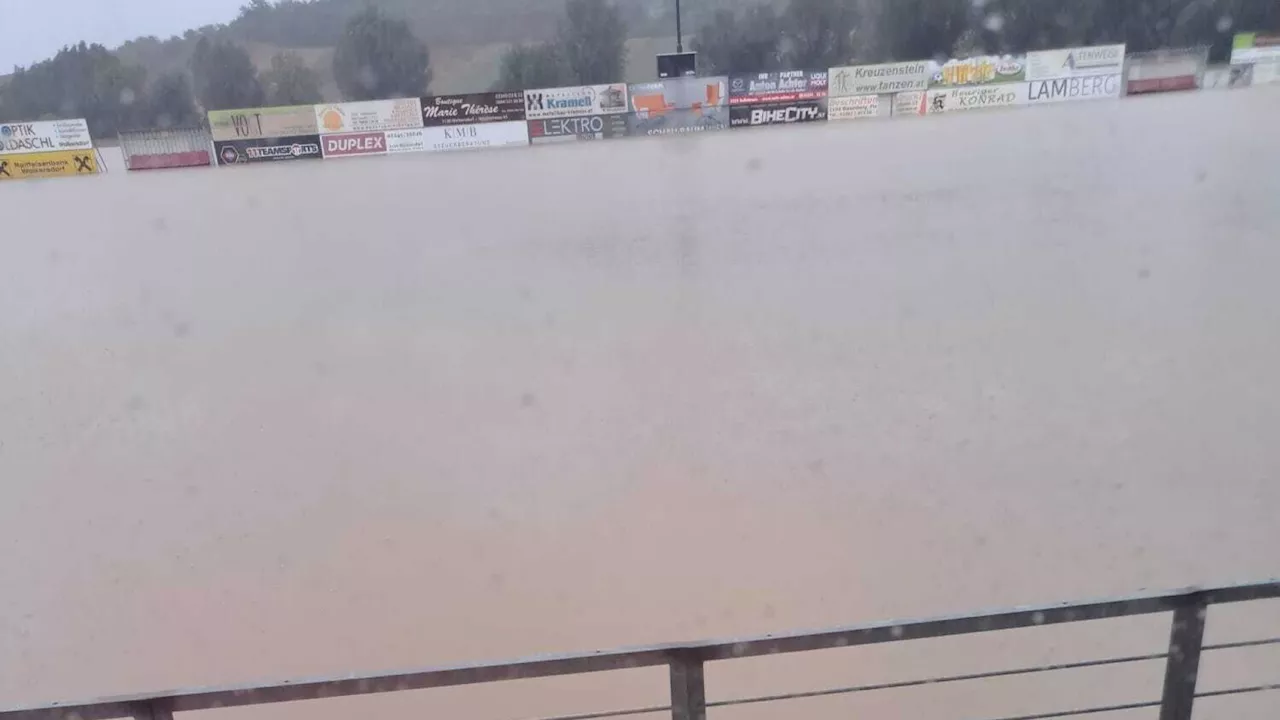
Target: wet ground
x,y
318,418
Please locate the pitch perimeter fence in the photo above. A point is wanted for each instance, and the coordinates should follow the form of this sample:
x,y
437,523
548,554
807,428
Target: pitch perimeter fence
x,y
686,662
675,106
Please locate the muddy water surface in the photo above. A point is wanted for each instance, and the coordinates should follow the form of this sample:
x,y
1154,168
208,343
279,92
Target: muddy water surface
x,y
318,418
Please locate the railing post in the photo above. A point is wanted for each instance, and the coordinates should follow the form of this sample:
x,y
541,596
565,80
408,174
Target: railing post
x,y
688,691
1183,665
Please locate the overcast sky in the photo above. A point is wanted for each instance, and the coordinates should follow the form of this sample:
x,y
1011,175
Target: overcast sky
x,y
35,29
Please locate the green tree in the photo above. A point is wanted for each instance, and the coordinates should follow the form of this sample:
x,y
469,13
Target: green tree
x,y
379,57
732,43
593,40
81,81
820,32
291,82
170,103
919,29
527,67
225,77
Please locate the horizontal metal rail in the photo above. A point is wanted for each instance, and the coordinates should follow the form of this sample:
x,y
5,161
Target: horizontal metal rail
x,y
686,661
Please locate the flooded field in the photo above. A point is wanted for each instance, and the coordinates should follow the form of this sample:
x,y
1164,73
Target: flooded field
x,y
319,418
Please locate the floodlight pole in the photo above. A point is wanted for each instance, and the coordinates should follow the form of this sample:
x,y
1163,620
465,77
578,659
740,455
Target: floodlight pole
x,y
679,34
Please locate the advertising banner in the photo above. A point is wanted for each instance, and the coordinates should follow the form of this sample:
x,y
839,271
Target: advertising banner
x,y
354,144
1089,87
755,115
1250,48
587,127
655,98
369,116
571,101
976,98
59,163
472,108
678,122
255,123
257,150
1073,62
1166,70
1264,73
405,141
44,136
880,79
980,70
857,107
909,104
444,138
786,86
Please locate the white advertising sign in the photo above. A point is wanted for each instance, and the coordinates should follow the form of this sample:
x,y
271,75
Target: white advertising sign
x,y
1089,87
979,97
46,136
857,107
878,79
574,101
1252,47
406,141
459,137
369,116
909,104
1245,56
1266,73
1072,62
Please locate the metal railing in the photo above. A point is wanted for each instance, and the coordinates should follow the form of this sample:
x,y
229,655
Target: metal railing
x,y
686,662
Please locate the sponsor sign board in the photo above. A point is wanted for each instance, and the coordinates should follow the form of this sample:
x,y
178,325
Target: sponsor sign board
x,y
1249,48
1071,62
255,123
655,98
980,70
369,116
799,112
258,150
975,98
406,141
353,144
679,122
59,163
1088,87
472,108
909,104
786,86
571,101
857,107
443,138
43,137
880,79
1265,73
584,127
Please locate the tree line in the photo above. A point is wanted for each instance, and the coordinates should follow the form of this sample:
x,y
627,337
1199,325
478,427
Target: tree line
x,y
810,34
377,55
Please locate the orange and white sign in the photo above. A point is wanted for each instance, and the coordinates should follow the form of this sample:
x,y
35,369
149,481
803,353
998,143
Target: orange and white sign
x,y
369,116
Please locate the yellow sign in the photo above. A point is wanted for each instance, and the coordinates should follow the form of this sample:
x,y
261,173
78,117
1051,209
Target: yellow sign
x,y
49,164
